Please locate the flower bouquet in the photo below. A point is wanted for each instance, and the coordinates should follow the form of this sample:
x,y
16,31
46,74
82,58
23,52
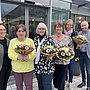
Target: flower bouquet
x,y
49,52
80,39
23,49
65,53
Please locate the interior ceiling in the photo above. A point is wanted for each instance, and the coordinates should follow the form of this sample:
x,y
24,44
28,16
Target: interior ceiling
x,y
81,3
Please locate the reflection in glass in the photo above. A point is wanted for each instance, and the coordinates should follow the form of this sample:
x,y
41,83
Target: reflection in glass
x,y
36,15
12,15
79,19
58,16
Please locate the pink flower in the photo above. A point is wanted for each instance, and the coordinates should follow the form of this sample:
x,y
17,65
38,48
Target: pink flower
x,y
60,49
68,54
62,53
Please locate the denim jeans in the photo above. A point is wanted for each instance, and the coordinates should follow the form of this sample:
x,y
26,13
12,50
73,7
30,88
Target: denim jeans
x,y
44,81
70,70
85,62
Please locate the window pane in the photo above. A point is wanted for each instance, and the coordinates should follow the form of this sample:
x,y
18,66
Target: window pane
x,y
36,15
12,14
58,16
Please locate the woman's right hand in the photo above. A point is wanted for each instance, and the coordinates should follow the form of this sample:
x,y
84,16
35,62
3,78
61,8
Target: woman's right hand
x,y
20,57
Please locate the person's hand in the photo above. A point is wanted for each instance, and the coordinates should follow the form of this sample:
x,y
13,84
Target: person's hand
x,y
20,57
25,57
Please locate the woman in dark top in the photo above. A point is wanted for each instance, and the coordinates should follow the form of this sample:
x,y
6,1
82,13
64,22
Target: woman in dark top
x,y
70,33
5,63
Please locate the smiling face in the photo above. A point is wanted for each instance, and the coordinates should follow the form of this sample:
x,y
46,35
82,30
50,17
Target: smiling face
x,y
58,29
84,26
21,33
69,26
2,31
41,31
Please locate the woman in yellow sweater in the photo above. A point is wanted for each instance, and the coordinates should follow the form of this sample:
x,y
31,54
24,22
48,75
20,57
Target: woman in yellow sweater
x,y
22,65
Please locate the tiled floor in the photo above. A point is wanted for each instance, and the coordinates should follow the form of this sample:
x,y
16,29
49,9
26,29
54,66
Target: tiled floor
x,y
76,81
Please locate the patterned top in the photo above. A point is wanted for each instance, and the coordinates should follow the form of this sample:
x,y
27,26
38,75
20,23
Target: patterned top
x,y
67,41
44,67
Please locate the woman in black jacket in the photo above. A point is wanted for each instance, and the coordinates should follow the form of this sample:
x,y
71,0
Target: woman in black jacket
x,y
69,31
5,62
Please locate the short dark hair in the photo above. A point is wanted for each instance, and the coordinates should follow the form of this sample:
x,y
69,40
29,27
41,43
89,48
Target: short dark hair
x,y
20,26
58,24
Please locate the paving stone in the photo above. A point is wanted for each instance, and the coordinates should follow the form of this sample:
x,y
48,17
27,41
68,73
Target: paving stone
x,y
76,81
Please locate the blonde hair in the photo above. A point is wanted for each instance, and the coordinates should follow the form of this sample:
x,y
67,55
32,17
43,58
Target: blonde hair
x,y
69,20
42,25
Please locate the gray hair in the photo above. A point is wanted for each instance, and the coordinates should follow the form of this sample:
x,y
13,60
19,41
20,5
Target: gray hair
x,y
43,26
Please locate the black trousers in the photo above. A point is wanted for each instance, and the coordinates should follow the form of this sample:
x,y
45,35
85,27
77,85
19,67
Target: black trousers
x,y
59,76
4,76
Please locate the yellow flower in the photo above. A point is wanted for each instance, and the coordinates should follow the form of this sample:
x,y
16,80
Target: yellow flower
x,y
49,46
65,49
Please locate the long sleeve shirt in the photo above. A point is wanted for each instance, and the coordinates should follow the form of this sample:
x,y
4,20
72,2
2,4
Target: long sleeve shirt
x,y
67,41
18,65
86,47
44,67
5,62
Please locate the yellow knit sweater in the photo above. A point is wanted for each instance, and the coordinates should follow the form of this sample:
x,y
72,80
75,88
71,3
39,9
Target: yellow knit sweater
x,y
17,65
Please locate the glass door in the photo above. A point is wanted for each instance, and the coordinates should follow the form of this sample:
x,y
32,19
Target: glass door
x,y
36,15
12,15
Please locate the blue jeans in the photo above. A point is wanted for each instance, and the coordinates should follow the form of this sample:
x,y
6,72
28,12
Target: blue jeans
x,y
85,62
71,71
44,81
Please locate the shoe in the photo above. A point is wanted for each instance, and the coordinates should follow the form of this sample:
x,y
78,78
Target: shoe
x,y
81,85
88,88
66,84
70,87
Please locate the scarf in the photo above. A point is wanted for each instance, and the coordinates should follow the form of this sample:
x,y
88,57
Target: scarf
x,y
68,33
38,50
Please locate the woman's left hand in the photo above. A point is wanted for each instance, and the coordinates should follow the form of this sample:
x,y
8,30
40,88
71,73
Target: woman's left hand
x,y
25,57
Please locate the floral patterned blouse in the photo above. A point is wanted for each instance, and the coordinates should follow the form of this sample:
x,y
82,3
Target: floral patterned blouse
x,y
44,67
67,41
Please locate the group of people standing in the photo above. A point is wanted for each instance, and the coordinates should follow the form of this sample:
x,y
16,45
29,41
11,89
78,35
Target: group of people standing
x,y
23,66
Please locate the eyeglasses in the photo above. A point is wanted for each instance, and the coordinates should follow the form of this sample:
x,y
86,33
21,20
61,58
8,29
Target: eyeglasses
x,y
2,29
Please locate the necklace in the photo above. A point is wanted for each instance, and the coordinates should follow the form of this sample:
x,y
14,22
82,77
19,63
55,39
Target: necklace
x,y
59,37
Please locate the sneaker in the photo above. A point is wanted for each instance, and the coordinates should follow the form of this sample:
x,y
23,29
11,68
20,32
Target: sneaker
x,y
81,85
70,87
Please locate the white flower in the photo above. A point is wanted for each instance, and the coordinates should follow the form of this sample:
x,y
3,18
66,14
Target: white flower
x,y
62,53
26,48
48,50
68,54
